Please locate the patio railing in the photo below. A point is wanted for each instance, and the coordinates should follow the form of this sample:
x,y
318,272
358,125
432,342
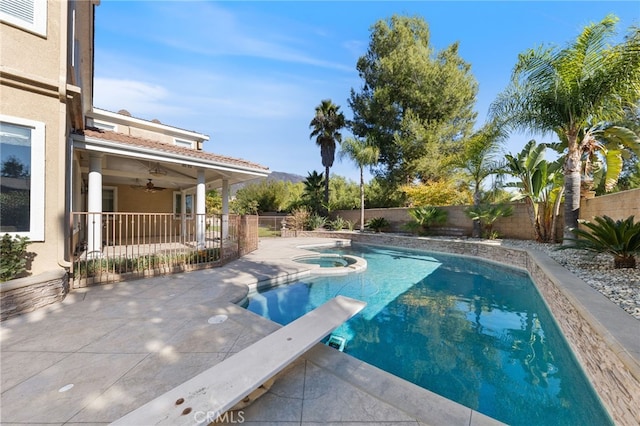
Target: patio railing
x,y
109,247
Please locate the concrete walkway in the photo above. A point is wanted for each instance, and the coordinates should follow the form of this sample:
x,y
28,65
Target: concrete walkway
x,y
106,350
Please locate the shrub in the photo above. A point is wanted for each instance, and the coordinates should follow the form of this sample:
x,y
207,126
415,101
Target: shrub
x,y
425,218
13,256
377,224
487,215
338,224
298,219
316,221
620,238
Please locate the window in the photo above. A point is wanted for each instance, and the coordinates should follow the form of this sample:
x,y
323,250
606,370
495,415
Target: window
x,y
30,15
183,143
22,177
177,205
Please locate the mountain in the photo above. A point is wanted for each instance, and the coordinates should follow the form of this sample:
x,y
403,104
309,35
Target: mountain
x,y
274,176
286,177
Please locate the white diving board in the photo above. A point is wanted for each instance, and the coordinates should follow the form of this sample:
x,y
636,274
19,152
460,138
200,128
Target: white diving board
x,y
215,391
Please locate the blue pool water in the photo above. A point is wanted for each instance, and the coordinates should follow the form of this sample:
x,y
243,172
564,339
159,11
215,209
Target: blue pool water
x,y
474,332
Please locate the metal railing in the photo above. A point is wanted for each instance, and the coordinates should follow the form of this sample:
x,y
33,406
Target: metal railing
x,y
110,247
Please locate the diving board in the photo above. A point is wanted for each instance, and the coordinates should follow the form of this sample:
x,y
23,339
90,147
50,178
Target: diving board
x,y
213,392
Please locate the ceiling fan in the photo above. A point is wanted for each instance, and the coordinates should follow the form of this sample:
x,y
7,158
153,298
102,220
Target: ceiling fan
x,y
148,187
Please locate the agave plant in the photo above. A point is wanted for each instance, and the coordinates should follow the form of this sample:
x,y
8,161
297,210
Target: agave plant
x,y
620,238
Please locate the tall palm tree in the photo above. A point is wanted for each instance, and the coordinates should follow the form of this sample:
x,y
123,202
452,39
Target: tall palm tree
x,y
326,126
364,155
477,161
562,91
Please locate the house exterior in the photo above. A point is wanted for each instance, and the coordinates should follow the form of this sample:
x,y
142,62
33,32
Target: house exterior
x,y
61,156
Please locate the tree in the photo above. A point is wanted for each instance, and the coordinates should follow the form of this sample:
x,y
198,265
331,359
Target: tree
x,y
415,104
364,155
477,162
312,193
326,126
540,187
14,168
563,91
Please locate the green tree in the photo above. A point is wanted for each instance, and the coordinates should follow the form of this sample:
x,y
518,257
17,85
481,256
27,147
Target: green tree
x,y
14,168
312,194
364,155
415,104
343,194
604,148
564,90
326,125
213,202
477,162
539,185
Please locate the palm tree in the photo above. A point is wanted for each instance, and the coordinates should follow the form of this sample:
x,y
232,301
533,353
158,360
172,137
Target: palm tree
x,y
477,161
562,91
364,155
312,193
326,126
604,147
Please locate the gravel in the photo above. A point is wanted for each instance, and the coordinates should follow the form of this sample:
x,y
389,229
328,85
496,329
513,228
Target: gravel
x,y
621,286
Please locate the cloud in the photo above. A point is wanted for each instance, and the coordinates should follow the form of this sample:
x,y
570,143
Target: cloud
x,y
140,98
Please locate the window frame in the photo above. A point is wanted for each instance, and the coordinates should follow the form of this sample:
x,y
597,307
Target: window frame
x,y
37,187
39,24
177,205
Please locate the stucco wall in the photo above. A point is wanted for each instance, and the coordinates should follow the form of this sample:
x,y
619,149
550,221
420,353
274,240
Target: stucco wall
x,y
620,205
518,226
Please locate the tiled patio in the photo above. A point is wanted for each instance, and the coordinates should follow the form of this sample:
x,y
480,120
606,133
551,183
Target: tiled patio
x,y
121,345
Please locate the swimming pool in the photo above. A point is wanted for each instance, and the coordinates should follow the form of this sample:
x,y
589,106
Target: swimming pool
x,y
475,332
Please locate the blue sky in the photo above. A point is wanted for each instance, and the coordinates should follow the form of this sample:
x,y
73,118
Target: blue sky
x,y
250,74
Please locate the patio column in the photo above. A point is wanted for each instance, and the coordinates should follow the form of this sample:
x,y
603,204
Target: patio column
x,y
94,205
225,209
200,211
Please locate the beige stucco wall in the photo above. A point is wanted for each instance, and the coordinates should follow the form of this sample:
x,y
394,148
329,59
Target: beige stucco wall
x,y
37,98
22,50
620,205
518,226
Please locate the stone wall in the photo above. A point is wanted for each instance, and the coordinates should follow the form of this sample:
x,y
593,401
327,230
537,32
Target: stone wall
x,y
24,295
614,374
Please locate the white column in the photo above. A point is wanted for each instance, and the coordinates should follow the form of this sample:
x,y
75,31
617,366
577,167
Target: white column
x,y
94,205
200,211
225,209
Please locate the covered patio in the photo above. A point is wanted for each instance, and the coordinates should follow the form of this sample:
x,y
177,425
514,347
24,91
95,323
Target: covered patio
x,y
134,197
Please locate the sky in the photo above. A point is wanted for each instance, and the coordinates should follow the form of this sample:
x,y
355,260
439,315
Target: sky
x,y
249,74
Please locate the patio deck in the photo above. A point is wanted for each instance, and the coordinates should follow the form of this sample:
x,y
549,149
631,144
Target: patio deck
x,y
106,350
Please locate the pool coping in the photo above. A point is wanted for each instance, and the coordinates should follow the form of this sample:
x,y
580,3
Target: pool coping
x,y
603,337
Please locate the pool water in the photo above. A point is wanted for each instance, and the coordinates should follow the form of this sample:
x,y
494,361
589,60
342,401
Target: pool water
x,y
472,331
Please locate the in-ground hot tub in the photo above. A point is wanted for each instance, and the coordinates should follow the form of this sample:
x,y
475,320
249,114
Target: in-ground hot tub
x,y
332,263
